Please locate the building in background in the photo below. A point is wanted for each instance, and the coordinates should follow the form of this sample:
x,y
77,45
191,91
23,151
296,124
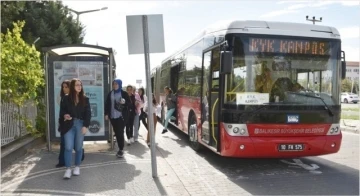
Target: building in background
x,y
352,71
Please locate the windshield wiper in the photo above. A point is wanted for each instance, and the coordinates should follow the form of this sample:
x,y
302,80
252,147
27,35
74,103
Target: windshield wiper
x,y
307,95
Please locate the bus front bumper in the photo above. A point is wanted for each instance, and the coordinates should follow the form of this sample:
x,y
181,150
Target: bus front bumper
x,y
270,147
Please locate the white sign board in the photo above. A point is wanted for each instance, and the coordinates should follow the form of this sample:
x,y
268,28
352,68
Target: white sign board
x,y
138,81
136,37
252,98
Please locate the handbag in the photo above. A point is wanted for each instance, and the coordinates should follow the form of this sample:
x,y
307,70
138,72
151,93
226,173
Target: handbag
x,y
118,106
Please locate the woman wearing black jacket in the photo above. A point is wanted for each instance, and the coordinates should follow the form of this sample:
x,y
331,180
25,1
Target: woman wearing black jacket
x,y
130,124
117,110
65,89
75,113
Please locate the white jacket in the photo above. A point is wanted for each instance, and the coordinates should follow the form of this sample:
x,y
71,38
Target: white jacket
x,y
156,109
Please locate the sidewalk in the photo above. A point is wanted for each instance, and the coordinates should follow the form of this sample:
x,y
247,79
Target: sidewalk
x,y
181,171
101,173
350,125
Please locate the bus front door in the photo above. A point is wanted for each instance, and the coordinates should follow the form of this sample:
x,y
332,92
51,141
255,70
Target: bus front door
x,y
210,95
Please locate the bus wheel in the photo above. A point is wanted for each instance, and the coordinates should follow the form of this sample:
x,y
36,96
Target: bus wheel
x,y
193,134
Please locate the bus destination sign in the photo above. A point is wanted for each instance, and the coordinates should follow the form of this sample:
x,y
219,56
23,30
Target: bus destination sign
x,y
289,46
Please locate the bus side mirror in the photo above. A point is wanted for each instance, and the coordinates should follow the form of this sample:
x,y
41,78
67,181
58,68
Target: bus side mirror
x,y
343,65
226,62
343,70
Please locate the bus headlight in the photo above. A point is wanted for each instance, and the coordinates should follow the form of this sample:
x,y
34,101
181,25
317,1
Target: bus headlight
x,y
236,130
334,130
242,132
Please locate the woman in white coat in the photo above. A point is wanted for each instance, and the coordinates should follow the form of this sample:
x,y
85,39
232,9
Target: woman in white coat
x,y
153,112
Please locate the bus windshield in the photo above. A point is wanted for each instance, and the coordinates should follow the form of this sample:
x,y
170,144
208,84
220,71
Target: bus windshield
x,y
275,69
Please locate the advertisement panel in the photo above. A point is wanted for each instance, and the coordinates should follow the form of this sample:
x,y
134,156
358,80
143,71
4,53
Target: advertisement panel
x,y
92,71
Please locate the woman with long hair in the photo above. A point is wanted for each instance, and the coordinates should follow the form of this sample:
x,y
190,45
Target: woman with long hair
x,y
138,105
76,113
143,115
132,113
117,110
65,89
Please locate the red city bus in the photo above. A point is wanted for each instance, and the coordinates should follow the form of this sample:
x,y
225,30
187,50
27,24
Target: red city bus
x,y
257,89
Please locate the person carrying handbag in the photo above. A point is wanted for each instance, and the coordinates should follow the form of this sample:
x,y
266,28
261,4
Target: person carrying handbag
x,y
117,106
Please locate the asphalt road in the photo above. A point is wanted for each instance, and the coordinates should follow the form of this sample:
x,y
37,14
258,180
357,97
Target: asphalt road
x,y
336,174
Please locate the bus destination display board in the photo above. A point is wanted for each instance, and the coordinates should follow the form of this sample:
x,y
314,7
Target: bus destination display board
x,y
289,46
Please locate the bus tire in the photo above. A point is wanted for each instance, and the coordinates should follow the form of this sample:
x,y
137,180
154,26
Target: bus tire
x,y
193,139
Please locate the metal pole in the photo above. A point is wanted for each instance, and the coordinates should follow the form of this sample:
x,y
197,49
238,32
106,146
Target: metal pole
x,y
149,96
110,71
77,19
47,102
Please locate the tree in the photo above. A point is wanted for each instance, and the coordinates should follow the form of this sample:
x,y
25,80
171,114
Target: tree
x,y
345,85
49,20
21,70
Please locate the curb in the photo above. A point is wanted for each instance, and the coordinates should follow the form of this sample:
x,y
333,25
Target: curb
x,y
17,149
350,129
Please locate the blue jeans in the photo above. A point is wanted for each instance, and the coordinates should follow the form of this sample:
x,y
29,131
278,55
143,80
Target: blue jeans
x,y
74,139
62,149
168,115
136,126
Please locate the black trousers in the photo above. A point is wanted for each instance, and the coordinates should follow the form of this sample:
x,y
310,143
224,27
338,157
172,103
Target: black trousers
x,y
118,125
143,117
130,126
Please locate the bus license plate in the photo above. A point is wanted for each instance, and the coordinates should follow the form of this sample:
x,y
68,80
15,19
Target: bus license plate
x,y
291,147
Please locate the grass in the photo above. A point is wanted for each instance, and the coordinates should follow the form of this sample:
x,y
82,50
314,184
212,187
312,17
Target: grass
x,y
350,117
351,109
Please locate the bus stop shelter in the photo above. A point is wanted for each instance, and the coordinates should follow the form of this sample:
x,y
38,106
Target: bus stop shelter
x,y
95,66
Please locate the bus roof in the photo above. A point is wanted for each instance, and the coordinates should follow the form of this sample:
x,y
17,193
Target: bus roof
x,y
230,25
286,26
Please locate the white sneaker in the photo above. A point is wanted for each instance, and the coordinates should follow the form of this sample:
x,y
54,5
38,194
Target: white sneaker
x,y
76,171
132,140
136,140
67,174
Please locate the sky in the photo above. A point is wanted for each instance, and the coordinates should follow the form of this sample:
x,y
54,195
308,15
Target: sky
x,y
184,20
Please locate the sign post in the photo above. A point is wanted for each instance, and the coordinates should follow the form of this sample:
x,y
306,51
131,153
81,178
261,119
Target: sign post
x,y
152,41
139,82
149,95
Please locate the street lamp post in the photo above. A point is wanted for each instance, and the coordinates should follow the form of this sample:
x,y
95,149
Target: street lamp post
x,y
84,12
313,19
36,40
